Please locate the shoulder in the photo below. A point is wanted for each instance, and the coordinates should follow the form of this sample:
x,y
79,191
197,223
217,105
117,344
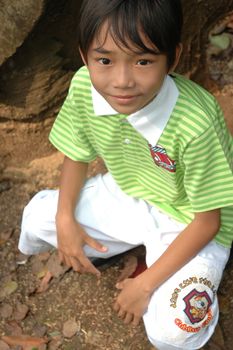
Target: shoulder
x,y
80,88
196,106
81,78
194,95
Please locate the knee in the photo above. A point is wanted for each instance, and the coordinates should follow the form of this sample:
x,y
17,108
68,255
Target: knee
x,y
38,225
180,334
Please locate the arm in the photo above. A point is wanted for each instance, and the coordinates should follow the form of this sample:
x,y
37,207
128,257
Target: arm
x,y
70,235
188,243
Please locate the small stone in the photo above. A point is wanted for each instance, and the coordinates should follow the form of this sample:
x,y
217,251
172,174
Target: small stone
x,y
6,310
70,328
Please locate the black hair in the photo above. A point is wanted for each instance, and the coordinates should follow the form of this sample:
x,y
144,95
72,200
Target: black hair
x,y
160,20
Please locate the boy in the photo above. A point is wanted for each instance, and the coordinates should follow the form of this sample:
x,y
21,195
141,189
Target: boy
x,y
169,184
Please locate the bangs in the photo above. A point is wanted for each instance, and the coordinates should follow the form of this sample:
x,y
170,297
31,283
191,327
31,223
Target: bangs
x,y
130,34
152,26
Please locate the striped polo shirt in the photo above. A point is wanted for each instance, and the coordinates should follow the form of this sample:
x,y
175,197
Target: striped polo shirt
x,y
176,153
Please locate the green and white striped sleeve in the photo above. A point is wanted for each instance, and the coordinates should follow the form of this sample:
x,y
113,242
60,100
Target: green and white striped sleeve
x,y
68,134
208,176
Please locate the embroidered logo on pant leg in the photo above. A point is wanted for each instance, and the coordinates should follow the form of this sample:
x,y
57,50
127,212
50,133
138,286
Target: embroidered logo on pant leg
x,y
197,305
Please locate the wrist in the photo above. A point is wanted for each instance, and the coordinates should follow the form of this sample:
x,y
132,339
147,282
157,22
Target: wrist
x,y
64,216
145,281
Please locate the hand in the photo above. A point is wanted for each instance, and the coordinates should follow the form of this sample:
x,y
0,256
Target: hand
x,y
71,238
133,300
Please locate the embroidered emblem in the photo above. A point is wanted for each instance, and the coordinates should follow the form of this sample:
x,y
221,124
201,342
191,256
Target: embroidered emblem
x,y
161,158
197,305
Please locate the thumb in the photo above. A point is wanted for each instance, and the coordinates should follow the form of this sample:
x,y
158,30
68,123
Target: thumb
x,y
95,244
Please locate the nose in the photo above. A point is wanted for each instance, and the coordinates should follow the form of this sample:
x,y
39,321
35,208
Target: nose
x,y
123,77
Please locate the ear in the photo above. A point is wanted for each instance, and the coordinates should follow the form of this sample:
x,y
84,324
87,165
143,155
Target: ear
x,y
179,50
82,56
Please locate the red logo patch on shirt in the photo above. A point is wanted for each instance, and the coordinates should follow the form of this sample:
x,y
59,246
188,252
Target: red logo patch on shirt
x,y
161,158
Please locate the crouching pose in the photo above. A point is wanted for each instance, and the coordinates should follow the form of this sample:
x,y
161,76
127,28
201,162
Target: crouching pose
x,y
169,184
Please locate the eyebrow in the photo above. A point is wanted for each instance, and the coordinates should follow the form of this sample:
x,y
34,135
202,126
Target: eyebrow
x,y
102,50
139,52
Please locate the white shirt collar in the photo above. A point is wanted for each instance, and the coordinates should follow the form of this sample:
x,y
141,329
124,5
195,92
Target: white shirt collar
x,y
151,120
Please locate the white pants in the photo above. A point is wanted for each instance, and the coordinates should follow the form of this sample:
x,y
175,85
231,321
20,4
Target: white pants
x,y
183,311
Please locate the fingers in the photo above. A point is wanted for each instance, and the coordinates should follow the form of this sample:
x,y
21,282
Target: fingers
x,y
88,266
127,317
81,264
95,244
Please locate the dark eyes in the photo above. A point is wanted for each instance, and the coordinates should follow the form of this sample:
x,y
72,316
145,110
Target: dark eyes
x,y
105,61
143,62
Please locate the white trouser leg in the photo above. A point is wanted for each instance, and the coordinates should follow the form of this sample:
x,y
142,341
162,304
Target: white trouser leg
x,y
183,311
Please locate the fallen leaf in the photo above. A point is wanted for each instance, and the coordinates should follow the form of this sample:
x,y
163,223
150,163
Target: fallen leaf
x,y
24,340
55,267
12,327
37,265
20,312
54,334
130,265
70,328
8,288
4,346
44,285
42,273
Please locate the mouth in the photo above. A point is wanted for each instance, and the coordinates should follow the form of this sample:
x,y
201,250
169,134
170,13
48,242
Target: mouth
x,y
124,99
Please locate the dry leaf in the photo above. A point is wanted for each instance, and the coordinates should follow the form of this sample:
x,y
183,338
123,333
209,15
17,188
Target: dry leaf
x,y
8,288
44,285
20,312
55,267
24,340
4,346
12,327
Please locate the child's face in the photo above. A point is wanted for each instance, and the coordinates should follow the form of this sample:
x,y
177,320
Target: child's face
x,y
127,80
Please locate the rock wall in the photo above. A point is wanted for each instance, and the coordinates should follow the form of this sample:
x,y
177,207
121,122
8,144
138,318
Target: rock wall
x,y
39,55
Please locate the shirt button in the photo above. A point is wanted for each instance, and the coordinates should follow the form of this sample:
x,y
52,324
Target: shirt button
x,y
127,141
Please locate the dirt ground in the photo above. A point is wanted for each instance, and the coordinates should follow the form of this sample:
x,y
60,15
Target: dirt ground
x,y
44,306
